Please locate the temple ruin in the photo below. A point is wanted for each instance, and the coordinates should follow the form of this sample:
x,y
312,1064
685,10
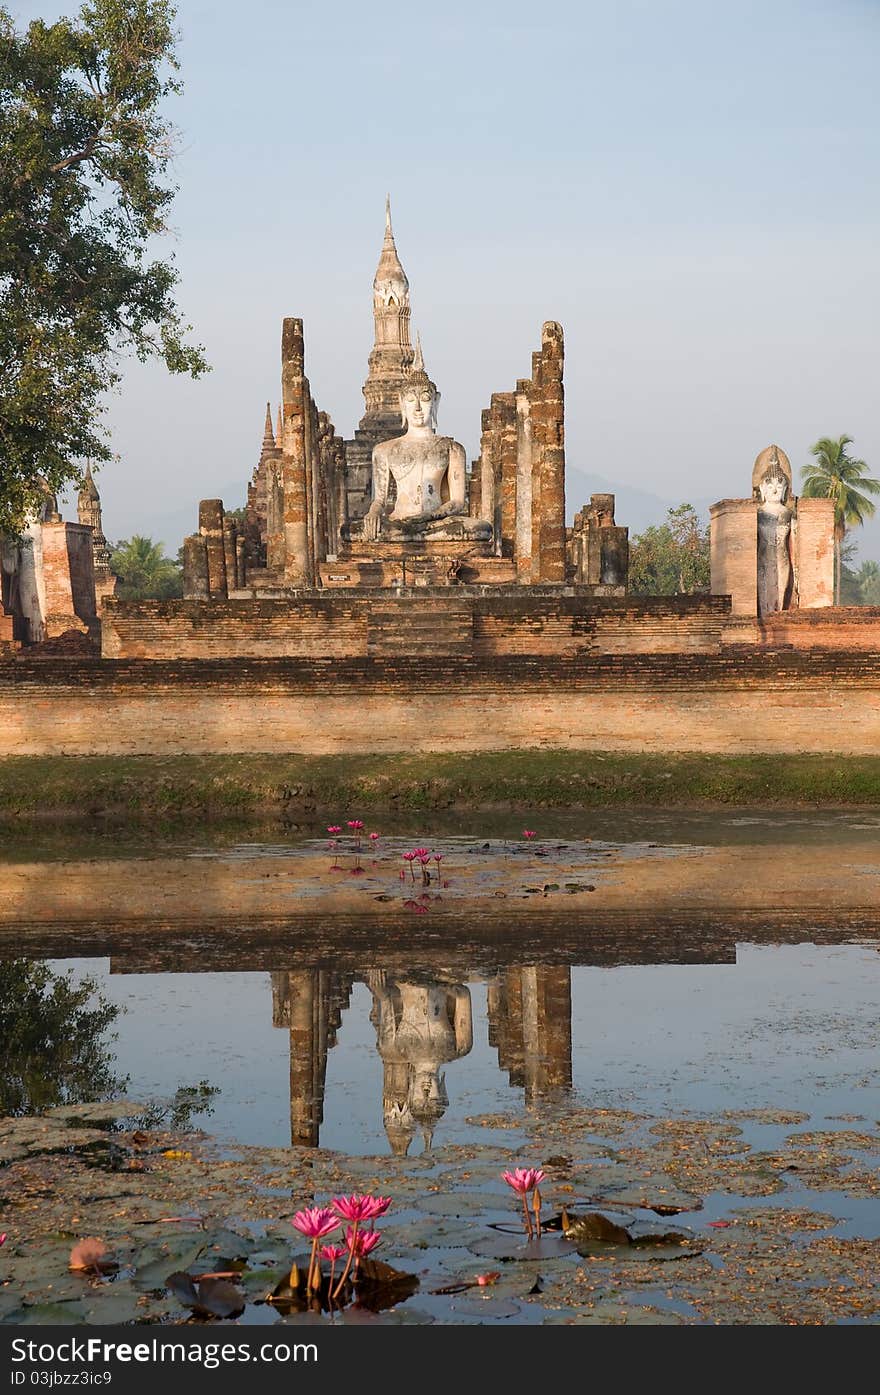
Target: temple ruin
x,y
56,575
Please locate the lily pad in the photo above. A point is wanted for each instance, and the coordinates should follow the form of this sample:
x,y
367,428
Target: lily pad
x,y
209,1298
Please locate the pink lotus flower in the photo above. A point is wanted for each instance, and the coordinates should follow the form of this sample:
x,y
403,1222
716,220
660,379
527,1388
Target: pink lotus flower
x,y
421,852
332,1252
334,828
362,1241
374,837
315,1222
523,1179
356,824
3,1238
438,858
357,1207
529,832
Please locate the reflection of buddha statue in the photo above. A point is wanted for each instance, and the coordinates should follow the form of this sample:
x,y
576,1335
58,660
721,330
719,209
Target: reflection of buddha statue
x,y
774,531
419,1027
428,472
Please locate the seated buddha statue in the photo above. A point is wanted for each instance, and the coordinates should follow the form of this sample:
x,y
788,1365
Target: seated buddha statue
x,y
428,473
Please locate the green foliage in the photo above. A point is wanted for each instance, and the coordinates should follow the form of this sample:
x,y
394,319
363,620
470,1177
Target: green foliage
x,y
672,558
84,158
858,585
836,475
53,1035
868,580
156,791
145,574
178,1113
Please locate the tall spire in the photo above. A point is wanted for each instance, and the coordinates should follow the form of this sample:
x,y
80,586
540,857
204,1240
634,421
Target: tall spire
x,y
88,503
390,286
268,438
390,360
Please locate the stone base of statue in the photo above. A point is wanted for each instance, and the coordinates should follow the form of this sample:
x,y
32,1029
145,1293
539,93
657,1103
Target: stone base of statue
x,y
450,551
419,533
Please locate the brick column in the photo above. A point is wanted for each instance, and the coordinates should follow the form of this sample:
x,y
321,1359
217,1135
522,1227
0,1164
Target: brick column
x,y
195,568
506,403
294,462
523,526
548,416
211,529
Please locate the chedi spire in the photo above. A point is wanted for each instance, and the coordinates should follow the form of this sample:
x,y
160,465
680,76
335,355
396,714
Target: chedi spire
x,y
268,437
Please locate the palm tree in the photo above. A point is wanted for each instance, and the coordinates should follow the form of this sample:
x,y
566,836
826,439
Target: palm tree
x,y
143,570
838,476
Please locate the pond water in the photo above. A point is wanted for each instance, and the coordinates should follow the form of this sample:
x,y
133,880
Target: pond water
x,y
402,1039
674,1015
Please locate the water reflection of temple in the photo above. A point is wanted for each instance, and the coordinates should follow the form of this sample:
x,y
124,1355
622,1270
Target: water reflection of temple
x,y
309,1003
530,1023
423,1020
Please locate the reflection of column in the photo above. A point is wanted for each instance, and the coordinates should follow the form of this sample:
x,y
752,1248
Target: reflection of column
x,y
309,1003
530,1023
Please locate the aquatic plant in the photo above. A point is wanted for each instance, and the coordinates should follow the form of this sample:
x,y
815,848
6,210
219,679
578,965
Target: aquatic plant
x,y
361,1243
356,826
524,1180
315,1223
357,1208
332,1253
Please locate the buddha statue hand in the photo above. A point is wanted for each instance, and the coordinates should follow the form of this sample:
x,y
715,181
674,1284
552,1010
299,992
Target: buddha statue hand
x,y
373,521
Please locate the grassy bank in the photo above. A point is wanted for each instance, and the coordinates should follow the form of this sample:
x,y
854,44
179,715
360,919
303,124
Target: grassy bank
x,y
225,786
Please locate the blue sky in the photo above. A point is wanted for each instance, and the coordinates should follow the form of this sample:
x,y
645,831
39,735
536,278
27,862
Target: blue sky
x,y
690,188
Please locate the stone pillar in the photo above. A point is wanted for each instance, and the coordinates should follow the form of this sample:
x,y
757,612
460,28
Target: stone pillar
x,y
506,405
294,461
230,551
195,568
474,494
275,517
307,1059
240,561
211,529
523,525
547,414
68,578
488,469
813,552
733,553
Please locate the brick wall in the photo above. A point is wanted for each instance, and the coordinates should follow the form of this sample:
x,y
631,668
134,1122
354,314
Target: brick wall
x,y
347,624
735,702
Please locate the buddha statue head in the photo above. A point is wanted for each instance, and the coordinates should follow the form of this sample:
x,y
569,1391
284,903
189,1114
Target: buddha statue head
x,y
428,1100
400,1126
774,485
419,397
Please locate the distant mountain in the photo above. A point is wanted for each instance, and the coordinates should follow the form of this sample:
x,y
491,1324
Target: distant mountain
x,y
171,526
634,508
